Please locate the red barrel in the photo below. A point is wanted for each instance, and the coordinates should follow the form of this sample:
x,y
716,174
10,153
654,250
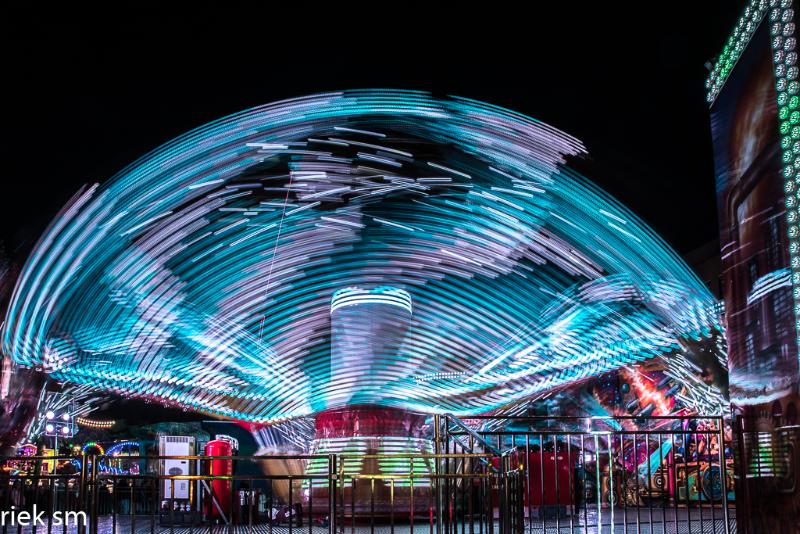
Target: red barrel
x,y
220,489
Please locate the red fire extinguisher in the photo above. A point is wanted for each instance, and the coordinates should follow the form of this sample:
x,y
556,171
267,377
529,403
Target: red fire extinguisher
x,y
220,489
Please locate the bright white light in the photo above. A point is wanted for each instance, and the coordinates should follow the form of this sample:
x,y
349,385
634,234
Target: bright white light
x,y
49,428
50,415
65,417
380,295
65,430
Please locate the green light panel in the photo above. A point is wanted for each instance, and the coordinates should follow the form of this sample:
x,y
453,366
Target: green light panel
x,y
736,43
783,38
784,54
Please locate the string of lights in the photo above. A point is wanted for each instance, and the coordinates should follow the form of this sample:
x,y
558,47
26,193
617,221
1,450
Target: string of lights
x,y
95,423
787,85
780,16
745,27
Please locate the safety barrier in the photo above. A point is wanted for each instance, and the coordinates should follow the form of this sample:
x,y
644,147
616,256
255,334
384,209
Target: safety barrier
x,y
611,474
488,475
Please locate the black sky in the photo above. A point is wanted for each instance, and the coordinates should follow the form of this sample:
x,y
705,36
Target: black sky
x,y
88,92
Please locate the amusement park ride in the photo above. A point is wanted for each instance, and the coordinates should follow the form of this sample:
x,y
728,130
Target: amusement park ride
x,y
341,270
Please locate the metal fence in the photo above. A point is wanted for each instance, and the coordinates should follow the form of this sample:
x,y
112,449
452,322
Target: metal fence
x,y
486,476
611,474
474,498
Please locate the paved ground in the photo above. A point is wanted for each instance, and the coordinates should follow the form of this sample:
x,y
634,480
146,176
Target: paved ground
x,y
681,521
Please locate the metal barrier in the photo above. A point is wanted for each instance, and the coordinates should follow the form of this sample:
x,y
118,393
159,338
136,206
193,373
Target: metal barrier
x,y
138,498
29,486
604,474
431,499
487,476
111,499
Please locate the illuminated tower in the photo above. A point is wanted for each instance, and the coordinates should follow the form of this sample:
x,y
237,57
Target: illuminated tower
x,y
367,329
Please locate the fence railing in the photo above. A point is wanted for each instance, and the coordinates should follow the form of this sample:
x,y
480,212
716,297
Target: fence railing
x,y
486,476
140,498
616,474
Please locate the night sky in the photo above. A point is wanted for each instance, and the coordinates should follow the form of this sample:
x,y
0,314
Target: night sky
x,y
88,92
